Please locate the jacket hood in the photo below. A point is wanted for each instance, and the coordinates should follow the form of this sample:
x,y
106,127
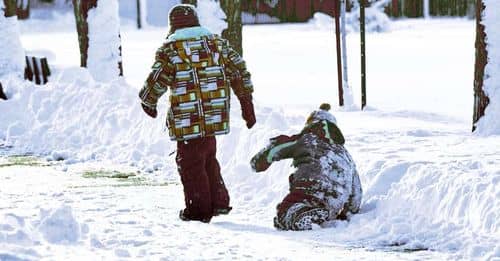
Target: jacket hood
x,y
189,33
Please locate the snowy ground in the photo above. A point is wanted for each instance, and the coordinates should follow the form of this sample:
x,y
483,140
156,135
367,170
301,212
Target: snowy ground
x,y
431,188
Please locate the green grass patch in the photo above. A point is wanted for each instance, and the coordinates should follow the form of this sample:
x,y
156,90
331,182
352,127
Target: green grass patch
x,y
110,175
23,160
120,185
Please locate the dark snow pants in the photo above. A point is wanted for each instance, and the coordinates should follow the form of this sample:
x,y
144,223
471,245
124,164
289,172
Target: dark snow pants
x,y
300,208
204,189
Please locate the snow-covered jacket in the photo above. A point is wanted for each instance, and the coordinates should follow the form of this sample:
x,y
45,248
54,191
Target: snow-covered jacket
x,y
325,169
196,66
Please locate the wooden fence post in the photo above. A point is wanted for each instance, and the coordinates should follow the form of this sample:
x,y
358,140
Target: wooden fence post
x,y
339,52
363,53
2,94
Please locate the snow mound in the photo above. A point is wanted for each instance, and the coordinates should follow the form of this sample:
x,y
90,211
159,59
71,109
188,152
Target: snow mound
x,y
76,117
60,227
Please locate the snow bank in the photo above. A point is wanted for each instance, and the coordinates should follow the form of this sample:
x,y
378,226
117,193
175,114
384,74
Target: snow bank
x,y
490,124
451,208
104,41
11,50
79,118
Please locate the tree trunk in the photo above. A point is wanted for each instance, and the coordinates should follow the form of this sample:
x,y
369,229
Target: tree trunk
x,y
481,101
10,8
191,2
81,9
233,33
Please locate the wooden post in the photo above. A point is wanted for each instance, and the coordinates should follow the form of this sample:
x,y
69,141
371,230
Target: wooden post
x,y
339,51
139,24
2,94
481,101
23,9
234,31
395,8
363,53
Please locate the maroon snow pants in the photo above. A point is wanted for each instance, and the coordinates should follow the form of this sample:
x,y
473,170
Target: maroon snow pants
x,y
204,189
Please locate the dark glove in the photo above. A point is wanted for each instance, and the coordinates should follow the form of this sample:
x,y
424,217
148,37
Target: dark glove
x,y
151,112
259,162
247,110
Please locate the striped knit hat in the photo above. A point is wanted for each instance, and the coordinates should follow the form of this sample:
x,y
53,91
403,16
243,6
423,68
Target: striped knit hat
x,y
182,16
322,114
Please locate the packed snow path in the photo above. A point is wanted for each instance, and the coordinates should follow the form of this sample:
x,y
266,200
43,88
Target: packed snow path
x,y
48,213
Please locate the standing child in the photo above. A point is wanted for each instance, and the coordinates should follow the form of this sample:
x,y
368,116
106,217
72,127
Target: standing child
x,y
326,185
196,65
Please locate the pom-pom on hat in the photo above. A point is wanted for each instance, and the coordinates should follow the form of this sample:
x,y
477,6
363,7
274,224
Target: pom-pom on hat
x,y
182,16
321,115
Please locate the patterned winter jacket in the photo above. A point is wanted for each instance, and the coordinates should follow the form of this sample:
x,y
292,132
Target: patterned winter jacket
x,y
325,169
197,67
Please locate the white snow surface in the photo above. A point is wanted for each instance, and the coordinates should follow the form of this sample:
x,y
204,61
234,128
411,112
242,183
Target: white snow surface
x,y
11,50
211,16
490,124
104,41
428,183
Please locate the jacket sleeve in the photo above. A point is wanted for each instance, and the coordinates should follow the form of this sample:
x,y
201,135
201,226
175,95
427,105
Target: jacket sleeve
x,y
161,77
236,68
281,147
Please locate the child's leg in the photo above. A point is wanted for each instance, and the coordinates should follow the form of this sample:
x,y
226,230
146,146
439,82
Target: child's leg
x,y
299,211
191,160
219,194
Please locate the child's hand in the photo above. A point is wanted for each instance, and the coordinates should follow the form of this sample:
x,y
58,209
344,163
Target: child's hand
x,y
151,112
259,162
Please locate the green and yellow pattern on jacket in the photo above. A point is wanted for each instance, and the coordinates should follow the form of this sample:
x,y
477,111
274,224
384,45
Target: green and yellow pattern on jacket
x,y
197,67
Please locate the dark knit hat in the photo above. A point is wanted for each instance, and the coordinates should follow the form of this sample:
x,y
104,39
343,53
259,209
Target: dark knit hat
x,y
182,16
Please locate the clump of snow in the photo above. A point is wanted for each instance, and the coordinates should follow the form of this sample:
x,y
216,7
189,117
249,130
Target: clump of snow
x,y
490,124
60,227
11,49
211,16
104,41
